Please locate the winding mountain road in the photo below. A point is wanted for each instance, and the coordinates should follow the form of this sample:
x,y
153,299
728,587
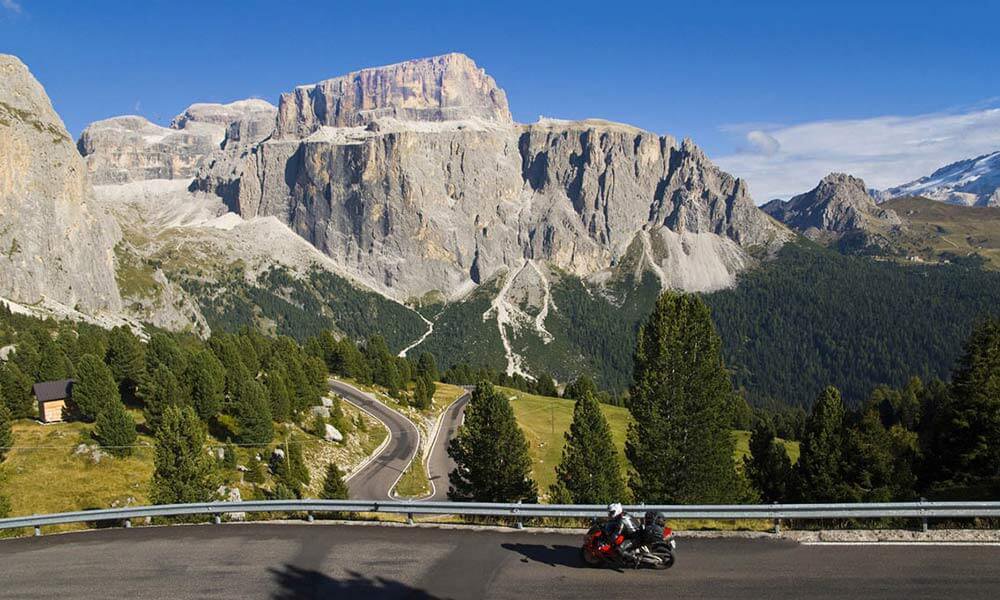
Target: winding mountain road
x,y
344,561
376,479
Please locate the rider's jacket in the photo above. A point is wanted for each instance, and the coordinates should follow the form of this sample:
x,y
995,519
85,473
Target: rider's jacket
x,y
623,524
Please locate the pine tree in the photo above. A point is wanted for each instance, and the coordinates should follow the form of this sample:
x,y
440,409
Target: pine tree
x,y
205,382
53,363
252,410
16,388
115,429
768,467
184,471
973,415
490,453
589,471
878,460
6,433
334,487
126,358
679,443
94,389
162,390
277,393
820,470
546,386
290,470
162,349
427,367
579,387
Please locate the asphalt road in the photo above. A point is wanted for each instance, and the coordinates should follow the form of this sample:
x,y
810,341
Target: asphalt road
x,y
378,477
341,561
439,463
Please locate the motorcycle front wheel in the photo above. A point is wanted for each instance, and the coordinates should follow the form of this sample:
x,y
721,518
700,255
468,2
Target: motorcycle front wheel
x,y
665,554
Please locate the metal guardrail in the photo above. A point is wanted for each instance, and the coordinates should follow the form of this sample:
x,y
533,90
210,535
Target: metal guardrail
x,y
518,512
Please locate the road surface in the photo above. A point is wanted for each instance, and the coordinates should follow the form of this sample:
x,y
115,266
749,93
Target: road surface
x,y
342,561
439,463
378,477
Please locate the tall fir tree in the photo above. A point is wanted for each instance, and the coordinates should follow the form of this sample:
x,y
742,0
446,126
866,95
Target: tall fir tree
x,y
16,388
115,429
768,467
160,391
334,487
94,389
277,393
252,410
679,443
205,383
490,453
589,472
184,472
972,416
820,471
126,358
427,367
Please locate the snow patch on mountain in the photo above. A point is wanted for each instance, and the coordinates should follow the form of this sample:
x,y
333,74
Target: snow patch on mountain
x,y
971,182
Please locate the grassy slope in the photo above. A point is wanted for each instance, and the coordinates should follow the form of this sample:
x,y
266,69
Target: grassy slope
x,y
935,228
544,420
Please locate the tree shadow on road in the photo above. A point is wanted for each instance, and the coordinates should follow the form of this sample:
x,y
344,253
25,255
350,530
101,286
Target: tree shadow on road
x,y
562,556
295,583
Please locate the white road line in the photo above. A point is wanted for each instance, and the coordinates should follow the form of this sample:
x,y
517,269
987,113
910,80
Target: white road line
x,y
927,544
430,451
378,450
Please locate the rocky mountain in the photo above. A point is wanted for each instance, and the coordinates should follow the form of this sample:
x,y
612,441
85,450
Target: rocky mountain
x,y
413,180
130,148
972,182
839,206
55,247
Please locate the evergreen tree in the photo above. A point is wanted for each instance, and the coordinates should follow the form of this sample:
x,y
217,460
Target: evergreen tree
x,y
126,358
205,382
878,460
546,386
580,387
290,470
589,471
6,433
427,367
16,389
679,443
768,467
184,471
26,357
115,429
334,487
490,453
229,456
974,411
53,363
252,410
277,393
162,390
94,389
4,506
820,470
162,349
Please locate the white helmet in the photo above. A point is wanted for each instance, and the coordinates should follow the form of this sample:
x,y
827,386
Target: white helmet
x,y
614,509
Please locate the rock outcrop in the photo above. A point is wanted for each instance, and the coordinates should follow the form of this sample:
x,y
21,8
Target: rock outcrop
x,y
442,88
414,178
130,148
972,182
839,205
53,245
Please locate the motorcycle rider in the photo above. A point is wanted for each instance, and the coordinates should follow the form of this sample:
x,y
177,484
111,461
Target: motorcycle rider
x,y
620,523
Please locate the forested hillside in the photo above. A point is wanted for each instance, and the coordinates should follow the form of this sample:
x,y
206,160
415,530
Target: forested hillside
x,y
813,318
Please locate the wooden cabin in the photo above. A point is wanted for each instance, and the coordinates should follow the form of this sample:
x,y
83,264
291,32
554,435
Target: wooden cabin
x,y
52,397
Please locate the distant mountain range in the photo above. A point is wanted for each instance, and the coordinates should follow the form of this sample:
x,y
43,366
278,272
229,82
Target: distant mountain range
x,y
971,182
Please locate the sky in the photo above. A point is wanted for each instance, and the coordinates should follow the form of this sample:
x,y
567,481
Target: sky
x,y
778,93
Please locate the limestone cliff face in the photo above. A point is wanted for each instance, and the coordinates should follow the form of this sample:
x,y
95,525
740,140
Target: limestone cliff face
x,y
840,204
442,88
414,178
53,244
130,148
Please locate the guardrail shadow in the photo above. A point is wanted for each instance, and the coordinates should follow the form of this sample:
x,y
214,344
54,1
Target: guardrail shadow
x,y
296,583
554,556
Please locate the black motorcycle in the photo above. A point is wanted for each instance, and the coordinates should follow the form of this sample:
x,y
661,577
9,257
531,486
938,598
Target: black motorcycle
x,y
655,545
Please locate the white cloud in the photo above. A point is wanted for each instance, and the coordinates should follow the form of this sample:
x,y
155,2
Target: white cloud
x,y
12,5
779,162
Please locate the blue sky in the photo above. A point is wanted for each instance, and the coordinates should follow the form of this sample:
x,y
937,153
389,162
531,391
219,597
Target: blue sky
x,y
741,78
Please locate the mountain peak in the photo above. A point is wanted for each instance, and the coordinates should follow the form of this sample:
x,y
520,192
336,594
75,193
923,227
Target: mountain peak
x,y
448,87
969,182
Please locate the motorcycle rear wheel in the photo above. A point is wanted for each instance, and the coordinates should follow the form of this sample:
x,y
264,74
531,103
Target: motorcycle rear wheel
x,y
588,558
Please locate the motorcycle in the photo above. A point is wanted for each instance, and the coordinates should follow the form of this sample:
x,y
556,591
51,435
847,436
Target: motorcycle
x,y
655,548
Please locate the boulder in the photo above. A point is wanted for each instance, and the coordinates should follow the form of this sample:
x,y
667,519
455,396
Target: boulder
x,y
320,411
332,434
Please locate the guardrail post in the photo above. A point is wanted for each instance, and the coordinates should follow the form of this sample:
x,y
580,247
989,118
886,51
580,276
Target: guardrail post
x,y
38,530
409,518
520,522
923,518
128,523
777,523
309,517
217,519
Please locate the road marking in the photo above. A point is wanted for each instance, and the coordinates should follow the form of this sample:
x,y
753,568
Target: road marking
x,y
437,431
927,543
375,454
